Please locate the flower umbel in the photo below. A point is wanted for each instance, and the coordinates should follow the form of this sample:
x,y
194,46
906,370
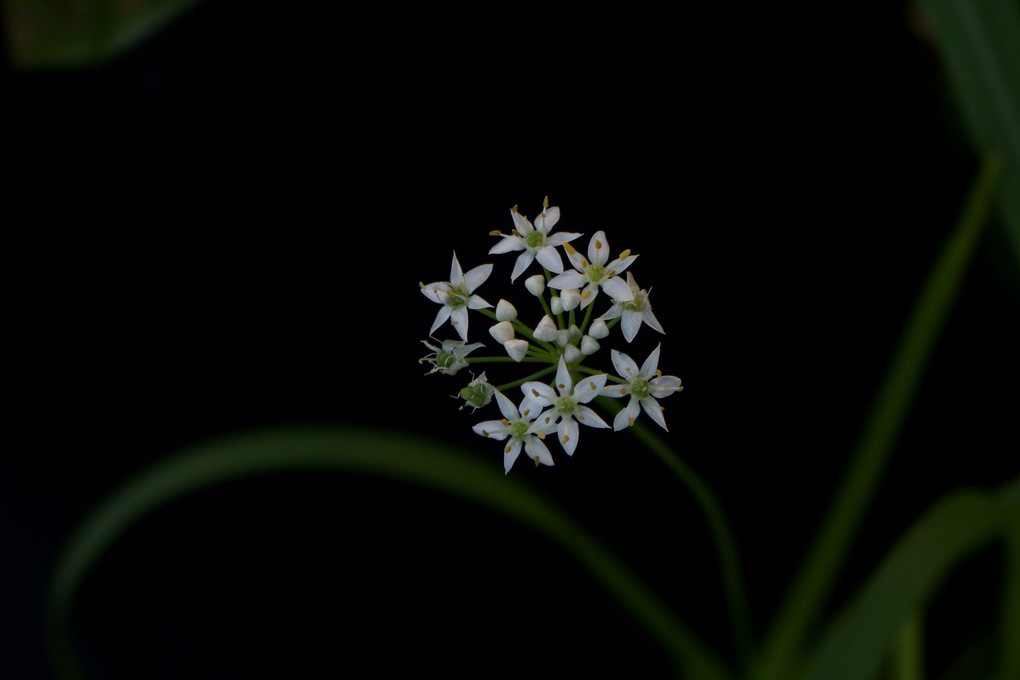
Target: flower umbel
x,y
644,386
562,334
457,296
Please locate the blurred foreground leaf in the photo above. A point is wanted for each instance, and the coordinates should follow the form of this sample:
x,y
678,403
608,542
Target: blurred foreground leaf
x,y
979,42
75,33
338,449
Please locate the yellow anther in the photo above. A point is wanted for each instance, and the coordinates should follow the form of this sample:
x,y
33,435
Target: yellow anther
x,y
536,461
513,209
625,254
541,435
526,412
598,244
421,285
561,386
566,438
569,248
485,433
623,390
630,421
591,383
658,373
515,233
547,419
545,202
535,392
495,232
507,449
505,422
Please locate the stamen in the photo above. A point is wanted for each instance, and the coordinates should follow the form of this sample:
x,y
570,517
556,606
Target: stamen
x,y
586,293
495,232
591,383
569,248
507,449
504,421
625,254
535,392
630,421
658,373
485,433
623,390
536,461
541,435
598,244
561,386
566,438
526,412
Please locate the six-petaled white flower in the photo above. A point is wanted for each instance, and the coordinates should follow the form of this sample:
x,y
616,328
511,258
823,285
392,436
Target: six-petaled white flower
x,y
633,312
523,428
535,240
645,385
568,404
450,356
595,272
457,296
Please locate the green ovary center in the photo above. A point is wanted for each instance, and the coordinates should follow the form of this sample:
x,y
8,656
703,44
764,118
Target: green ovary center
x,y
474,395
534,239
635,305
595,272
445,359
565,406
518,430
457,297
640,388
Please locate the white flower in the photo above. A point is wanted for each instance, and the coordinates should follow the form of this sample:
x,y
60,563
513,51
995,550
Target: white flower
x,y
535,241
633,311
457,296
478,393
449,357
522,428
595,272
567,402
644,385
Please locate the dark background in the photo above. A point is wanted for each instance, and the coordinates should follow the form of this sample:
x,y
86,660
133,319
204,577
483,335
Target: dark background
x,y
225,229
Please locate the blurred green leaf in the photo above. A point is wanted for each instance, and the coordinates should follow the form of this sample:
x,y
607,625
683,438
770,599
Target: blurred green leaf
x,y
340,449
75,33
855,646
979,43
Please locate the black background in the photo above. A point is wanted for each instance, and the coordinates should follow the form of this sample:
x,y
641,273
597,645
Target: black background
x,y
225,229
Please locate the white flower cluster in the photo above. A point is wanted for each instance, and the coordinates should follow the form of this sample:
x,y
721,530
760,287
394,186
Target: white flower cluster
x,y
559,341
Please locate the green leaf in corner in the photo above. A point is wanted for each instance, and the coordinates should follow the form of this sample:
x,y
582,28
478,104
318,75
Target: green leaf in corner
x,y
979,42
46,34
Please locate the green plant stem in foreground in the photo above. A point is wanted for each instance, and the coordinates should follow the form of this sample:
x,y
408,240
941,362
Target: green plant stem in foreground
x,y
729,562
812,585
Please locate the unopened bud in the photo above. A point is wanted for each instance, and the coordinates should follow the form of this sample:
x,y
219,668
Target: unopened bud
x,y
571,299
516,348
546,329
589,345
535,284
502,332
598,329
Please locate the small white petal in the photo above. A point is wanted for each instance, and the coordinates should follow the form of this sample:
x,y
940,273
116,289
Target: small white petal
x,y
523,260
625,367
475,302
563,382
536,448
508,245
663,386
510,453
627,415
441,316
539,391
649,318
436,291
589,387
535,284
651,364
568,279
617,289
546,329
476,277
459,320
598,248
654,411
589,417
456,273
493,429
506,407
567,433
547,219
502,331
550,259
521,223
516,348
630,324
505,311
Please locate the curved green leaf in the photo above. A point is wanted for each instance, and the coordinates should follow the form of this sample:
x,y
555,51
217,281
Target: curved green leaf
x,y
355,450
855,646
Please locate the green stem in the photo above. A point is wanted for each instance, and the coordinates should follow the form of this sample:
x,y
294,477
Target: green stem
x,y
733,582
587,317
534,376
812,585
505,360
